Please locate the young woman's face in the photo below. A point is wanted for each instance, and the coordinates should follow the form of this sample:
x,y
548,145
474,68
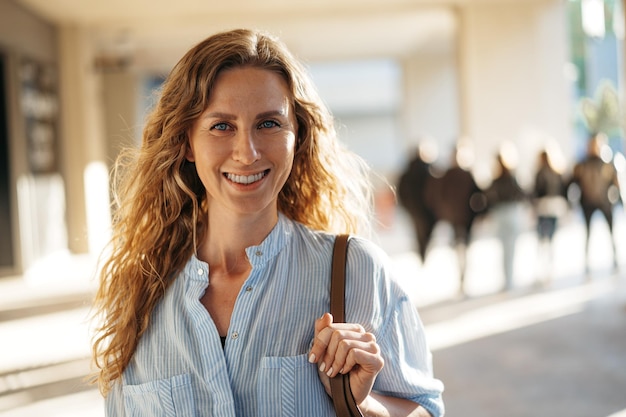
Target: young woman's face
x,y
243,143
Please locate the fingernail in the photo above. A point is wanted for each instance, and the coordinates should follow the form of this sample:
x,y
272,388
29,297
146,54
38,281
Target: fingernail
x,y
330,371
322,367
312,358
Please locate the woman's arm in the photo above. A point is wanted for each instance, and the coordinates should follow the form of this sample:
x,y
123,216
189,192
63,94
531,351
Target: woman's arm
x,y
346,347
376,405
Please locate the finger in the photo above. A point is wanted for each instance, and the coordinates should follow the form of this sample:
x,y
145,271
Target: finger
x,y
337,330
324,330
339,345
365,356
341,360
331,336
319,344
323,322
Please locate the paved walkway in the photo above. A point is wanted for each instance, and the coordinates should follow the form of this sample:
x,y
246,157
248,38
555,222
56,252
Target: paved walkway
x,y
554,349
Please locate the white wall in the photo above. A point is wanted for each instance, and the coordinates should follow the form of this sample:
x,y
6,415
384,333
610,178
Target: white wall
x,y
365,98
513,84
431,101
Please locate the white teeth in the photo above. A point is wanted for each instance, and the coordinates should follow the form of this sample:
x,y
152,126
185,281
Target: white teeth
x,y
245,179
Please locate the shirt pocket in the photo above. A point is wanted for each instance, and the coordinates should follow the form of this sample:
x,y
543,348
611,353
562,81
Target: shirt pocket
x,y
172,397
290,386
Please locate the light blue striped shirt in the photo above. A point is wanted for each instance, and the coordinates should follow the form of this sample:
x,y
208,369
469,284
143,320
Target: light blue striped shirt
x,y
180,368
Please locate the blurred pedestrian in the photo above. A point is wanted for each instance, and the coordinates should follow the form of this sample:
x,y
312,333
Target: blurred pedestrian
x,y
214,298
549,203
412,197
505,200
456,199
597,180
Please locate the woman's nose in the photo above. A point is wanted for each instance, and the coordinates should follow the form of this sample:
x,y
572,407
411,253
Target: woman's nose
x,y
245,148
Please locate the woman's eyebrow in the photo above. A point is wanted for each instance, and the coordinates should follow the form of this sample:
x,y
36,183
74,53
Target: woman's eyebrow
x,y
219,115
271,113
227,116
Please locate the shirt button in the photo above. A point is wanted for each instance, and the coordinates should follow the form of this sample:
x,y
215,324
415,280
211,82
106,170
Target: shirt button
x,y
200,271
248,289
259,253
234,336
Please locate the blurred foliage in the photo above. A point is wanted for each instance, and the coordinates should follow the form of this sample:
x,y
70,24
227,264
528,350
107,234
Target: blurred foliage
x,y
603,113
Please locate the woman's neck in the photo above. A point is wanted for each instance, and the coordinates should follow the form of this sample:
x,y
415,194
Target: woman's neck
x,y
228,237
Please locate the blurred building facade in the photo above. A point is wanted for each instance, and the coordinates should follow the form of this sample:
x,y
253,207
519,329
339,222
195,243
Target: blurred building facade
x,y
67,107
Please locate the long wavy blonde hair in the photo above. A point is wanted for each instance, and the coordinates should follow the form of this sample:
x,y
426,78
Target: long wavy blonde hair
x,y
159,210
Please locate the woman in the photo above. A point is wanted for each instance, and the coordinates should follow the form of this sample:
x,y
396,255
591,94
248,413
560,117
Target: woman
x,y
549,202
505,198
214,299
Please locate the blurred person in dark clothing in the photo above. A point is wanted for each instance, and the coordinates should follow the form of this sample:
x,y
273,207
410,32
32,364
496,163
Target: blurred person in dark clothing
x,y
456,199
504,202
412,197
549,203
596,178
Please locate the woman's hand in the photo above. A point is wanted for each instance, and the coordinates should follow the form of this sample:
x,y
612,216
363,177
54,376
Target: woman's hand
x,y
346,347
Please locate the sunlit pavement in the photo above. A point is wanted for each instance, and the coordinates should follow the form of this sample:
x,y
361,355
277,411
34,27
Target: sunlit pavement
x,y
546,348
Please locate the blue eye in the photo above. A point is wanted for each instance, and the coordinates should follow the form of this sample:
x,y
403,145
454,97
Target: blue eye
x,y
268,124
220,126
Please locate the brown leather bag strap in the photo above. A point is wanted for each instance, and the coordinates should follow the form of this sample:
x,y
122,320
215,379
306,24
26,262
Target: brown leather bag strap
x,y
338,279
345,405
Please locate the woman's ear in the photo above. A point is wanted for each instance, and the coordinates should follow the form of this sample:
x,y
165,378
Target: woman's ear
x,y
189,152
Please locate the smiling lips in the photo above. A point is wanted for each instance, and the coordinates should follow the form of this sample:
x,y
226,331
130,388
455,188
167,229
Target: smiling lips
x,y
246,179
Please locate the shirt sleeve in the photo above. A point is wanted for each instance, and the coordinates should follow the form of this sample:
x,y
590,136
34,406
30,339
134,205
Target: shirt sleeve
x,y
408,371
383,307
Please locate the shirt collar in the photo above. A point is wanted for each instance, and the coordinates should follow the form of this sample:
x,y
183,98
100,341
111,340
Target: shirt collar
x,y
273,243
258,255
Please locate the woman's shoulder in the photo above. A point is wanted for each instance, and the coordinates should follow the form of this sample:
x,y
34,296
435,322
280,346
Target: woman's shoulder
x,y
314,240
358,246
366,249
